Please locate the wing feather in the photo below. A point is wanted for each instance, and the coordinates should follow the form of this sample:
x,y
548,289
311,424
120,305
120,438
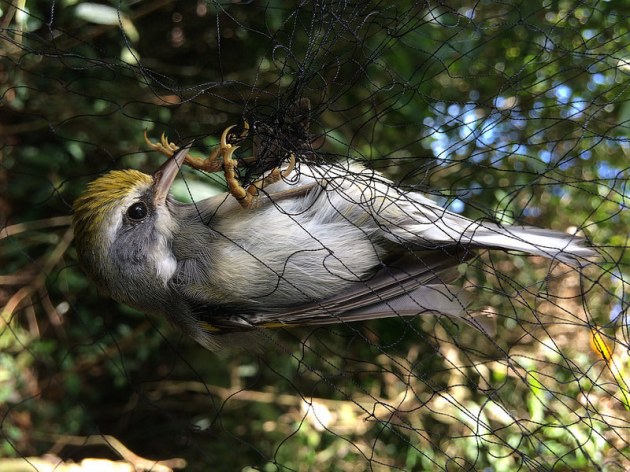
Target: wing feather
x,y
417,284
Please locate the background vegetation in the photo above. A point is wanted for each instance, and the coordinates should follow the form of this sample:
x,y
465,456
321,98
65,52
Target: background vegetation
x,y
513,111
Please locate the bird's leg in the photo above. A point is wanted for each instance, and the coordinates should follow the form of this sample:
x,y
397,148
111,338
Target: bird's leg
x,y
221,156
212,163
229,166
164,146
247,197
272,177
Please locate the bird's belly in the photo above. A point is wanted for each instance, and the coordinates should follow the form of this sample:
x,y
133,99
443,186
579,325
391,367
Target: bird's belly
x,y
295,266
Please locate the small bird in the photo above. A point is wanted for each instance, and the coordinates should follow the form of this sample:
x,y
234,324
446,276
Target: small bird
x,y
306,246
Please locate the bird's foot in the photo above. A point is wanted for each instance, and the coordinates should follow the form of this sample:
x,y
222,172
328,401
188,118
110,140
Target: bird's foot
x,y
164,146
247,198
221,157
207,164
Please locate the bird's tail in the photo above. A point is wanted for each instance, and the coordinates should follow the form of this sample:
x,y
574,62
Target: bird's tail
x,y
563,247
417,221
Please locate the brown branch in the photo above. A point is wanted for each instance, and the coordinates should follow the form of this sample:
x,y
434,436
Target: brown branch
x,y
34,225
8,16
52,463
140,463
39,280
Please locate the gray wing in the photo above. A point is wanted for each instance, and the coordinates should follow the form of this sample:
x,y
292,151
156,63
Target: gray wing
x,y
409,218
414,285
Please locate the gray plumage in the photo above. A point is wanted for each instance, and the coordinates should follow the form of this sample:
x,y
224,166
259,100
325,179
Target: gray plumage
x,y
328,245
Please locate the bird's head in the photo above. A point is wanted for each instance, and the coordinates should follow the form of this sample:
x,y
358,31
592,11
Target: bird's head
x,y
123,226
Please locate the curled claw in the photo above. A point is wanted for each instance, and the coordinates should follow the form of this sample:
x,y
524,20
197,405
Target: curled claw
x,y
248,197
286,172
151,144
222,157
244,197
224,144
164,141
146,139
164,146
236,189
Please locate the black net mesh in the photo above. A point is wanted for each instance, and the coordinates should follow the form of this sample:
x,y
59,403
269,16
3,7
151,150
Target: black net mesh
x,y
512,112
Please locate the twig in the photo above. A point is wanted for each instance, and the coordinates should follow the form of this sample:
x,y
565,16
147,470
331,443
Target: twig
x,y
54,464
39,280
8,16
373,407
15,279
35,225
140,463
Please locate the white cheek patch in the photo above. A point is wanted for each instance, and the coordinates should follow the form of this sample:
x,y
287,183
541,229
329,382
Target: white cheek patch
x,y
163,259
112,225
164,262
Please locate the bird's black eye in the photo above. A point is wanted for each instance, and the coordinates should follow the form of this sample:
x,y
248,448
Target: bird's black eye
x,y
138,211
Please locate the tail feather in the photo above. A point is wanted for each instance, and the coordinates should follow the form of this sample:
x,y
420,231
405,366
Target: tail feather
x,y
414,219
552,244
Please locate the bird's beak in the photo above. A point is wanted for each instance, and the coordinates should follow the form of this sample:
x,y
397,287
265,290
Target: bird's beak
x,y
165,175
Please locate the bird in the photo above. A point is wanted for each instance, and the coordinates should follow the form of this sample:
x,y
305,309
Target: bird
x,y
306,245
